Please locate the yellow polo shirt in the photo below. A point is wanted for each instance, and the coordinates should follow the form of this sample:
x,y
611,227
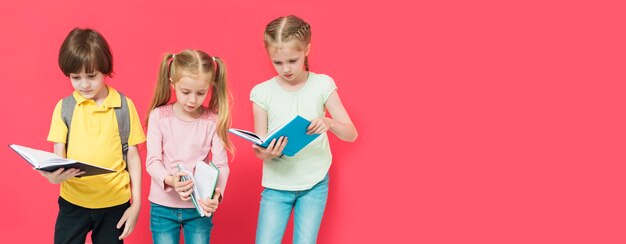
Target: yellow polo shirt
x,y
94,138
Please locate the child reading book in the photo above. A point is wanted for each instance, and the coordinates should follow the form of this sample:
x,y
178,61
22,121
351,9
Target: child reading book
x,y
298,183
185,132
91,135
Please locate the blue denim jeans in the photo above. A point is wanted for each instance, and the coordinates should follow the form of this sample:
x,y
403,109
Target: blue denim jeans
x,y
276,206
166,222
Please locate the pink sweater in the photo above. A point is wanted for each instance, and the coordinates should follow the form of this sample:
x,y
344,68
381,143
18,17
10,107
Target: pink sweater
x,y
173,141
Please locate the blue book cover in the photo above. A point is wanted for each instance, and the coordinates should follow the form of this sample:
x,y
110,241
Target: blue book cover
x,y
294,130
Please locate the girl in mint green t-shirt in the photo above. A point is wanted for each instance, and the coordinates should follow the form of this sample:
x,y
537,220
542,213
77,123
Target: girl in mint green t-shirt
x,y
298,183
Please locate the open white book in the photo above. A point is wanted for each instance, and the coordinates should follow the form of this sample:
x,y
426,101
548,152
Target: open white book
x,y
204,180
50,162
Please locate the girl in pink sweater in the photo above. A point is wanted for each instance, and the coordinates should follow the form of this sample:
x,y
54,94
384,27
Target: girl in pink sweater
x,y
185,132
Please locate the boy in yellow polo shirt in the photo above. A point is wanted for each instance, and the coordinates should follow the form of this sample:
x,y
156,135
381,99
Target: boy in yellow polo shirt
x,y
92,133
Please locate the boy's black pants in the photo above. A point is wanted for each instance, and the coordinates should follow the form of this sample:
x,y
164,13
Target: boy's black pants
x,y
74,222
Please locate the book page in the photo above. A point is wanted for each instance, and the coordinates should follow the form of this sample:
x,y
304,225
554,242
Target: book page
x,y
254,138
250,134
50,162
205,179
60,161
36,157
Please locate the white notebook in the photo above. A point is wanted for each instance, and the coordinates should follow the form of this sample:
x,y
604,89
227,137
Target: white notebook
x,y
204,180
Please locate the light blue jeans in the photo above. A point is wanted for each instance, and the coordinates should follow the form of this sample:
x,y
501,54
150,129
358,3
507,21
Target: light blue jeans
x,y
276,207
166,222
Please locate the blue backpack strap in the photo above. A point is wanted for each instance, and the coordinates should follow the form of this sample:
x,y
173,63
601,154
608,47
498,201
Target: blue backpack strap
x,y
67,111
122,114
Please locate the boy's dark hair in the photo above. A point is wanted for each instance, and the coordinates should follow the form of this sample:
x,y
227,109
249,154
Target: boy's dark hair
x,y
85,48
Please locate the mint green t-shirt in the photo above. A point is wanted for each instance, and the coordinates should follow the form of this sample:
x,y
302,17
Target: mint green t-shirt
x,y
310,165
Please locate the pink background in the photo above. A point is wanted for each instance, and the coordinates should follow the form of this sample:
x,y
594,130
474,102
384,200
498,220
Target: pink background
x,y
479,121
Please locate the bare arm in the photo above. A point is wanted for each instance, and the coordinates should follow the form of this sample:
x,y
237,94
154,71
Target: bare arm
x,y
59,149
340,124
132,213
260,120
134,170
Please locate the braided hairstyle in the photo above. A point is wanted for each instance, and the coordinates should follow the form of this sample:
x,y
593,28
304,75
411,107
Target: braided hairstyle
x,y
286,28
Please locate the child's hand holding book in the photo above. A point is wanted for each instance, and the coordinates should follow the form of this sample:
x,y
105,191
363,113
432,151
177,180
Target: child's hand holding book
x,y
60,175
183,185
209,206
319,126
274,150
